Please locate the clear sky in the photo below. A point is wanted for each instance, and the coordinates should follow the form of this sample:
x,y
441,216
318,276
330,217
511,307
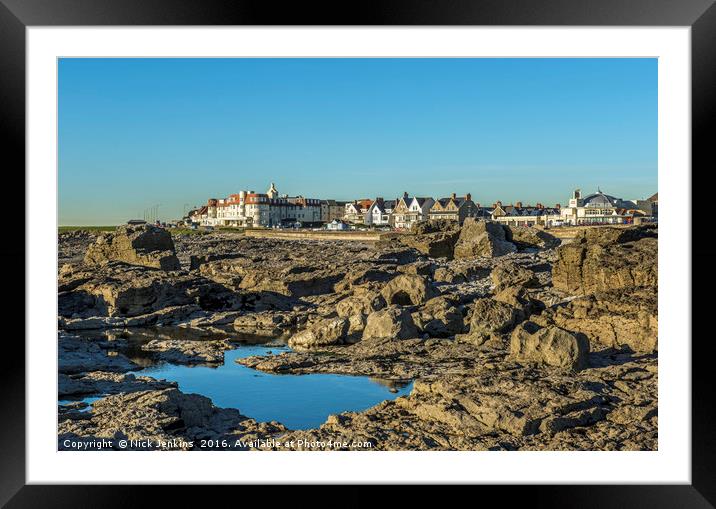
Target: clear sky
x,y
135,133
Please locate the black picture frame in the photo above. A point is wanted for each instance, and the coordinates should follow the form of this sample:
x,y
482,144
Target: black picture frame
x,y
17,15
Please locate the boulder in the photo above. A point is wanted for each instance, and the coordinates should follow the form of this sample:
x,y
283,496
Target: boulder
x,y
517,297
530,237
180,351
144,245
330,331
549,346
490,318
360,305
117,289
408,289
615,319
435,239
390,323
607,258
482,238
439,318
162,419
509,274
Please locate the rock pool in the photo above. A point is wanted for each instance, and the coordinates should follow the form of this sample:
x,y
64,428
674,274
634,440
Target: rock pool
x,y
297,401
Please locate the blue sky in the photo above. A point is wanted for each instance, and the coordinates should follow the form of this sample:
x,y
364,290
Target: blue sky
x,y
134,133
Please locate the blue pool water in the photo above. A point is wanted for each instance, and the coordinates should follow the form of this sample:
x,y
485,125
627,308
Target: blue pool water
x,y
297,401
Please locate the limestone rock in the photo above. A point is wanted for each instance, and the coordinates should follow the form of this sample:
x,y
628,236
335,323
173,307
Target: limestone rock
x,y
118,289
178,351
550,346
103,382
325,332
529,237
604,258
360,304
435,239
408,289
482,238
439,318
490,317
508,274
392,323
145,245
621,317
167,419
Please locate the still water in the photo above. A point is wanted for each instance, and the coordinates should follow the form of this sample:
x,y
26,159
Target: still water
x,y
297,401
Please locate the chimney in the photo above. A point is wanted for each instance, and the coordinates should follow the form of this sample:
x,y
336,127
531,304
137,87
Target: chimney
x,y
539,205
558,206
499,203
405,195
518,204
468,196
478,205
453,196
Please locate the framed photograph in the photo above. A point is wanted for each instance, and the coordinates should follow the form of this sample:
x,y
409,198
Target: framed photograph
x,y
424,245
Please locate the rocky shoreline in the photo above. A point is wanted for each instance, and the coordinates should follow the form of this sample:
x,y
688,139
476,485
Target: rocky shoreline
x,y
514,340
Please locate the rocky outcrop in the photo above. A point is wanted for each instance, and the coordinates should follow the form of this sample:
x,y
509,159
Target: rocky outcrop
x,y
530,237
282,277
78,355
116,289
408,289
491,318
483,238
103,382
360,304
179,351
268,323
614,319
326,332
439,318
144,245
390,323
603,259
510,274
549,346
435,239
162,419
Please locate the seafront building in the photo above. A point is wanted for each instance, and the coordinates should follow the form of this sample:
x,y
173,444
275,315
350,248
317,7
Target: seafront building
x,y
411,210
356,211
453,208
248,208
270,209
601,208
380,212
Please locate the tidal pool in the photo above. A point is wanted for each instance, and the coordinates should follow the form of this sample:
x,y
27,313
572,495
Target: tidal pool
x,y
297,401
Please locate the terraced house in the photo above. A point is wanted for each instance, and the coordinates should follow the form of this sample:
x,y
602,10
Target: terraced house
x,y
356,211
454,208
526,215
411,210
379,213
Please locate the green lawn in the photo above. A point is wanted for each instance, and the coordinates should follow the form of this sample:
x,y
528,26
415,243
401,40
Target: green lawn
x,y
63,229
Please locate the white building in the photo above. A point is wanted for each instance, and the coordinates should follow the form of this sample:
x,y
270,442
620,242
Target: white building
x,y
248,209
596,208
356,211
337,225
379,212
411,210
